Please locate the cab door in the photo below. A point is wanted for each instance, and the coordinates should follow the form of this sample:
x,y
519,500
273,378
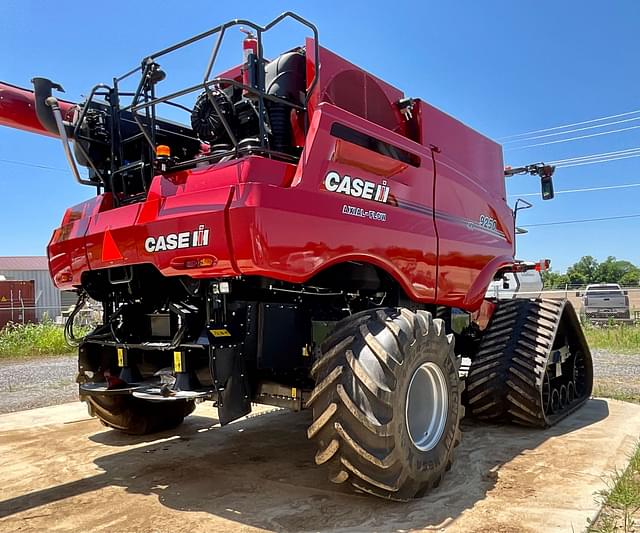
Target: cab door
x,y
474,224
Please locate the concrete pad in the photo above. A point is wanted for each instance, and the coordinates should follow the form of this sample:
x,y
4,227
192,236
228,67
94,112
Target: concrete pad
x,y
64,472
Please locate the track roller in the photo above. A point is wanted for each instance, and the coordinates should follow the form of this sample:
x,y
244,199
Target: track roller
x,y
571,392
386,406
533,366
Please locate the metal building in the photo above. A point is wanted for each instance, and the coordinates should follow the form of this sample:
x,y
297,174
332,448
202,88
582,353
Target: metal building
x,y
49,300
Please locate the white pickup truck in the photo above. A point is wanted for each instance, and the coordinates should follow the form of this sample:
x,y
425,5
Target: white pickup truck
x,y
606,300
526,284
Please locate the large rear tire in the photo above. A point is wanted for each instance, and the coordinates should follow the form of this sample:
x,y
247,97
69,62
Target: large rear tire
x,y
138,417
386,406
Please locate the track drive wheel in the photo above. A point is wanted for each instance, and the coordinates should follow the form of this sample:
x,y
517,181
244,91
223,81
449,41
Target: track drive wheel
x,y
533,366
386,406
138,417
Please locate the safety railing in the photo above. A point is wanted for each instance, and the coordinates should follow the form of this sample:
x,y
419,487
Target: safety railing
x,y
146,90
144,101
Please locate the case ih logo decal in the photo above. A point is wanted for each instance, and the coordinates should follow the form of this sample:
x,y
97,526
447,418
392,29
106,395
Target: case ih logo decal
x,y
174,241
356,187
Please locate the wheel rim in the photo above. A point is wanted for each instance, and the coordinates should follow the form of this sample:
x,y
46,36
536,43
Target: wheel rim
x,y
426,406
546,391
555,400
571,392
563,396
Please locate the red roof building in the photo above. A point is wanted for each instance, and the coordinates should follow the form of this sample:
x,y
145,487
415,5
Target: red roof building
x,y
27,262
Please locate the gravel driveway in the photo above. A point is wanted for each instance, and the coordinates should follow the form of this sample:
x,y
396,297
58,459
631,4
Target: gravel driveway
x,y
37,382
42,381
616,374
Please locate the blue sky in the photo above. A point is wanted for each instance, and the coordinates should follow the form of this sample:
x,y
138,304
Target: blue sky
x,y
503,67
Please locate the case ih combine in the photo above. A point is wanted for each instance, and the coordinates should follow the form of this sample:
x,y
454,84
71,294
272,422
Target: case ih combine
x,y
310,238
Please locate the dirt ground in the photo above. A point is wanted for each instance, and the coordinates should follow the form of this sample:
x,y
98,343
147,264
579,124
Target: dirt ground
x,y
62,471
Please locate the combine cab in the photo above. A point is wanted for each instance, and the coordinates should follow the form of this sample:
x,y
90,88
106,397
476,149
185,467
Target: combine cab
x,y
308,237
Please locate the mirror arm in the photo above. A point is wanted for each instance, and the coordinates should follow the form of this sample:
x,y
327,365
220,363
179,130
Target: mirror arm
x,y
545,172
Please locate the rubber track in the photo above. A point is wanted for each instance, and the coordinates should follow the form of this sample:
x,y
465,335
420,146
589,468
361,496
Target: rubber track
x,y
354,397
505,379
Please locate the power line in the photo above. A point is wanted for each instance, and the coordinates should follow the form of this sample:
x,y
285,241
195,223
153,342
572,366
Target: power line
x,y
570,125
582,163
586,189
574,138
594,156
561,222
523,139
25,164
594,159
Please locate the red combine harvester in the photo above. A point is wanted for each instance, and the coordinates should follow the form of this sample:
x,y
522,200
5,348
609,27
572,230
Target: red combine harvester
x,y
312,238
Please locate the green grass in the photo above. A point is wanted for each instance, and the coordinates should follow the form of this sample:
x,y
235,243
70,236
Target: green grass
x,y
619,338
21,340
621,500
609,391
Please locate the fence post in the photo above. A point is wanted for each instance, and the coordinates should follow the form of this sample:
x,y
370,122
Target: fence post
x,y
22,306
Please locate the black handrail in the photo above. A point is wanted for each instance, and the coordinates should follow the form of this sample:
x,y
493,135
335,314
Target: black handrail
x,y
144,99
150,102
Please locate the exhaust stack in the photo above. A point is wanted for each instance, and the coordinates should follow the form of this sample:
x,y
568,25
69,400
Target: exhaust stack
x,y
26,110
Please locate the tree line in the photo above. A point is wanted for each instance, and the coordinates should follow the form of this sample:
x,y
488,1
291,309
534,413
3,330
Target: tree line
x,y
590,270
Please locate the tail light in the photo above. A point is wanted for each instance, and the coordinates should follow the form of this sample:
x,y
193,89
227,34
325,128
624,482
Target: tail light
x,y
543,265
64,277
72,214
186,263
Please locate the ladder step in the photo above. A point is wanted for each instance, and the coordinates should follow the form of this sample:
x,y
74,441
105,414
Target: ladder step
x,y
132,138
130,166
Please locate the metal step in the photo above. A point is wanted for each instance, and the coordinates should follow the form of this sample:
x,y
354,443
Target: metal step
x,y
147,345
132,138
146,391
130,166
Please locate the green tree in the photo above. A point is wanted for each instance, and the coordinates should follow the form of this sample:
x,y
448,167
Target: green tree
x,y
631,279
613,271
578,278
588,270
554,280
583,271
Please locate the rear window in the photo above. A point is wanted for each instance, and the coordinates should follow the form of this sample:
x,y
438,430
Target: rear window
x,y
604,290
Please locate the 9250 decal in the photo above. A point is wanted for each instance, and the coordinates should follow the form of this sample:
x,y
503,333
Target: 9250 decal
x,y
488,222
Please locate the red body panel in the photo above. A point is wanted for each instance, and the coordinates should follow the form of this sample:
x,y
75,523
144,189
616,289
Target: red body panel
x,y
347,86
440,225
469,186
277,220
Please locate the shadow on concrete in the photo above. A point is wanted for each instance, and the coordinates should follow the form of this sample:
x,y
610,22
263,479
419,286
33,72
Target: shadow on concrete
x,y
260,473
193,425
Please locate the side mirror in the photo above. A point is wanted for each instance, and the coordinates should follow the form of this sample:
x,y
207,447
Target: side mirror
x,y
546,186
625,292
578,294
